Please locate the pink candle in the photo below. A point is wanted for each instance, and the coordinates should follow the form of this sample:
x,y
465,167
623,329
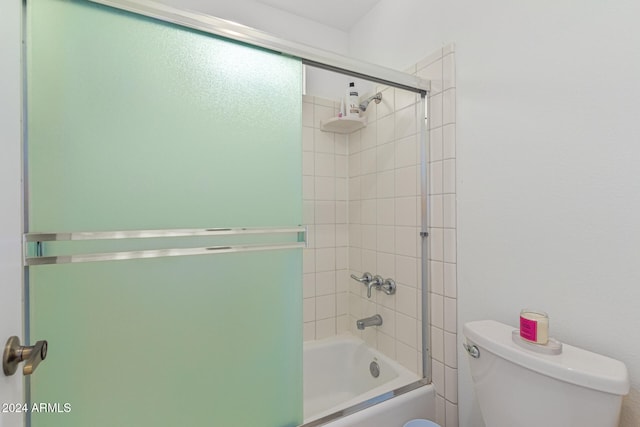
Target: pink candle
x,y
534,326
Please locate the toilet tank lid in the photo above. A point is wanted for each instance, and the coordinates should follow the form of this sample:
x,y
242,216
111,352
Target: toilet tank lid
x,y
573,365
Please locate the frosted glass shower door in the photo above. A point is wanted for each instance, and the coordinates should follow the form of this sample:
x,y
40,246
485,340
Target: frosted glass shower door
x,y
134,124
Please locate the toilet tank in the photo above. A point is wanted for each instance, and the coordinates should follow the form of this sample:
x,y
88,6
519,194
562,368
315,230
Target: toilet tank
x,y
517,387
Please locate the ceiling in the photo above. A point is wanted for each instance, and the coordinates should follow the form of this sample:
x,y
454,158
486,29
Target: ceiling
x,y
340,14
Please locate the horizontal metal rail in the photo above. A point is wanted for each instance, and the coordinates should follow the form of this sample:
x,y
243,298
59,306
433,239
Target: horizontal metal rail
x,y
40,259
157,253
145,234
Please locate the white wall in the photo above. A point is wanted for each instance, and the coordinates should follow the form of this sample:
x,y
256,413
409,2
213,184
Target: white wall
x,y
548,159
10,196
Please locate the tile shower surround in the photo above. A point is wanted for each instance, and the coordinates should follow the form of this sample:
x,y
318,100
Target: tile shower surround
x,y
362,205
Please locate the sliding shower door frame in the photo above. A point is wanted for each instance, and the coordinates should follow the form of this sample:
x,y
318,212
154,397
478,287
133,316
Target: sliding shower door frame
x,y
309,55
422,120
120,251
325,60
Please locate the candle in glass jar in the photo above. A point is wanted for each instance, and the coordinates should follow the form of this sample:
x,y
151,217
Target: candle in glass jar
x,y
534,326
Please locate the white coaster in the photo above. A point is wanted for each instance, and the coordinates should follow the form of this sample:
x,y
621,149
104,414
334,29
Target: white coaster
x,y
552,347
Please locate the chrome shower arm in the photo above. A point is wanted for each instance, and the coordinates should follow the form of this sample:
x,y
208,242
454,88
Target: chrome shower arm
x,y
377,98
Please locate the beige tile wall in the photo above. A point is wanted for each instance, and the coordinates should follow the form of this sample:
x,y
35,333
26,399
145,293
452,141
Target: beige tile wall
x,y
384,219
325,213
362,205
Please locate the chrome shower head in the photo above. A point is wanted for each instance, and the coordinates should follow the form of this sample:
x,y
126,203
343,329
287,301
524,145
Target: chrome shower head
x,y
377,98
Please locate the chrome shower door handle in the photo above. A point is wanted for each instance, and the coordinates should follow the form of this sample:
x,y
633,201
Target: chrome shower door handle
x,y
14,353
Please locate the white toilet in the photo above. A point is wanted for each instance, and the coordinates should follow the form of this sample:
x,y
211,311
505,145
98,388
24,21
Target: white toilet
x,y
517,387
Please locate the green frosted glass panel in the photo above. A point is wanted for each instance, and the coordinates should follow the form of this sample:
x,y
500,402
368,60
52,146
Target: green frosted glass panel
x,y
193,341
134,123
138,124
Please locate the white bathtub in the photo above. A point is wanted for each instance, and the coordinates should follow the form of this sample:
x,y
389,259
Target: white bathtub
x,y
337,376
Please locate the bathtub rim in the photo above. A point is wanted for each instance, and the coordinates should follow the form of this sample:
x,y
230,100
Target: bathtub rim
x,y
368,403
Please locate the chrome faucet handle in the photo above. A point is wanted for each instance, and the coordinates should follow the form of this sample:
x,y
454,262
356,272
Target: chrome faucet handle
x,y
389,286
366,278
376,282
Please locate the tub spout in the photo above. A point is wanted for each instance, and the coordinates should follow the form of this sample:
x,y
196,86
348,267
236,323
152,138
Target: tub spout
x,y
375,320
